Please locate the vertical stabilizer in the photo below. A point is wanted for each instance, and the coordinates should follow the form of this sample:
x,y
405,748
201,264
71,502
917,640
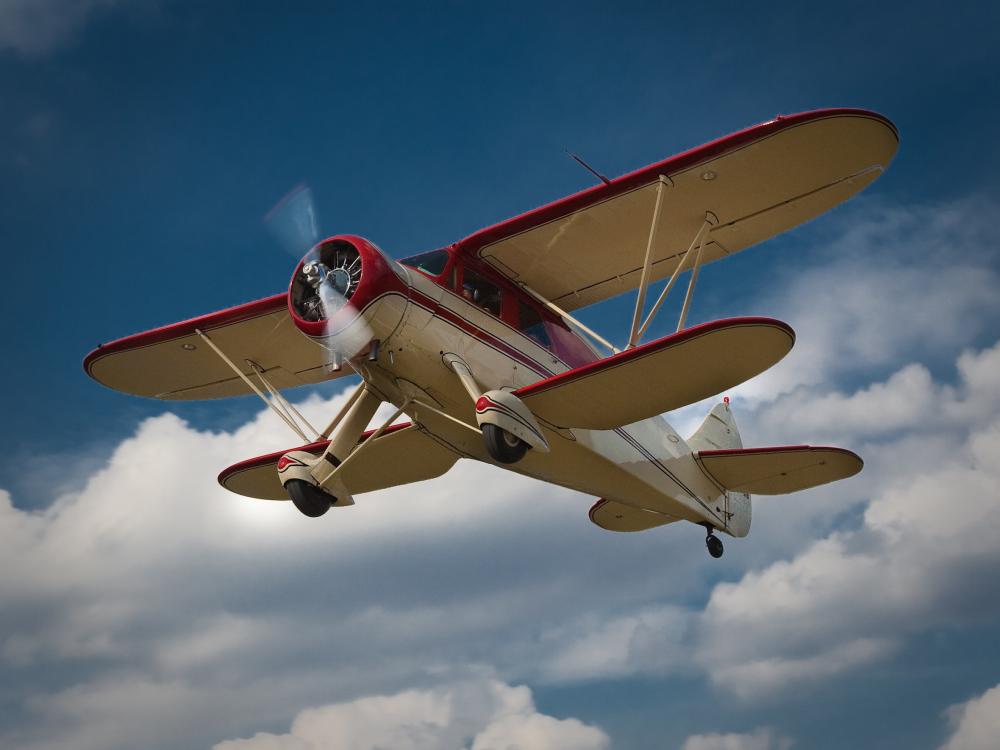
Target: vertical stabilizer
x,y
717,432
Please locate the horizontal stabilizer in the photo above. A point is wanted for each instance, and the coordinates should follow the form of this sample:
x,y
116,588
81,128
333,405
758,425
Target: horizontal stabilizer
x,y
615,516
662,375
778,471
400,455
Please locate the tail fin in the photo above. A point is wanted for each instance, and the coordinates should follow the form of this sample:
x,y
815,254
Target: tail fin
x,y
717,432
738,471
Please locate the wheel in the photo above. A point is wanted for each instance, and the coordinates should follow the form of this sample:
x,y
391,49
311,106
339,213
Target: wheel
x,y
714,545
502,446
308,498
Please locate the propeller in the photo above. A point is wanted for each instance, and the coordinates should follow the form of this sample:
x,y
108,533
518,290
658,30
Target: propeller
x,y
332,273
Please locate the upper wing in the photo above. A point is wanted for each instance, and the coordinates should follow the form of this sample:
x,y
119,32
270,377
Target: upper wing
x,y
758,182
173,362
662,375
400,455
778,471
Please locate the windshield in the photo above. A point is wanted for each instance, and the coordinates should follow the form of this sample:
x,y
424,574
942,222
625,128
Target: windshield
x,y
432,263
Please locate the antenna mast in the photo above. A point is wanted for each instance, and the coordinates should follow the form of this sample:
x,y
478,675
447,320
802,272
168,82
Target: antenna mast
x,y
589,168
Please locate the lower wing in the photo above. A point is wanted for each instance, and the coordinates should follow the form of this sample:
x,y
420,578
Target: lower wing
x,y
400,455
660,376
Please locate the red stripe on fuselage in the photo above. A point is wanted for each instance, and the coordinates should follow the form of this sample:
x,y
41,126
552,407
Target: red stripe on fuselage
x,y
450,316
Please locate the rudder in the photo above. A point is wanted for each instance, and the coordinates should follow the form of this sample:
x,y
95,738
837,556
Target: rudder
x,y
719,432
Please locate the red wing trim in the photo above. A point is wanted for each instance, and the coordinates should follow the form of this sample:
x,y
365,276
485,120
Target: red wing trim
x,y
778,449
640,351
231,315
314,448
564,206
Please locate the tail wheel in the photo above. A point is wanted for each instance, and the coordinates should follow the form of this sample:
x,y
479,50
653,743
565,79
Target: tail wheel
x,y
308,498
714,545
502,446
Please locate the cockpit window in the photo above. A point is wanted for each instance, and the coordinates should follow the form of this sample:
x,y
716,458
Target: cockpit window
x,y
432,263
480,291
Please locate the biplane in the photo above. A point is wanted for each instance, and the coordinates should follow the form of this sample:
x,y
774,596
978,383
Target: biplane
x,y
476,344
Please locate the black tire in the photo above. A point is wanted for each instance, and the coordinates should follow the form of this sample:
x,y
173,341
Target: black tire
x,y
502,446
714,545
308,498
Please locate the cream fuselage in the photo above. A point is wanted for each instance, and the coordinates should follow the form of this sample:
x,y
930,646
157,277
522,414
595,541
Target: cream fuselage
x,y
647,464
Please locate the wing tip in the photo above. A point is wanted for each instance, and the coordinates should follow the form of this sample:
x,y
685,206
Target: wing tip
x,y
227,316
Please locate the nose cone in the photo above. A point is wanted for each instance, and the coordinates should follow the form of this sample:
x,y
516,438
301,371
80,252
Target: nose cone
x,y
345,288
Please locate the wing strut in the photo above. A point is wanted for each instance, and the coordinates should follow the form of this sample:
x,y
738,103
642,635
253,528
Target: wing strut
x,y
700,236
647,264
284,403
282,408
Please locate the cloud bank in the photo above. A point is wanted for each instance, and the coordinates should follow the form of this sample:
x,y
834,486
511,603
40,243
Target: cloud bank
x,y
494,715
148,607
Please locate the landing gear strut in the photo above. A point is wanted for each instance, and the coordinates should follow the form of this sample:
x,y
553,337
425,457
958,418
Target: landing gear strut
x,y
713,543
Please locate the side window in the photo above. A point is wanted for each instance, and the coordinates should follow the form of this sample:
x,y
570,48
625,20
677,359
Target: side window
x,y
570,347
481,292
532,325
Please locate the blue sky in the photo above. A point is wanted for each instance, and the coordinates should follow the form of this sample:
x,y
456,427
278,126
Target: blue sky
x,y
143,143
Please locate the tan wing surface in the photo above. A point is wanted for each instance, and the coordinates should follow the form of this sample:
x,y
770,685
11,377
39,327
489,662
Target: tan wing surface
x,y
662,375
778,471
756,183
400,455
615,516
175,363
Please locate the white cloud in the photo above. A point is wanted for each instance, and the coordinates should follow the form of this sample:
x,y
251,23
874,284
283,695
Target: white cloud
x,y
975,723
900,283
650,641
848,599
759,739
496,716
171,612
36,27
160,594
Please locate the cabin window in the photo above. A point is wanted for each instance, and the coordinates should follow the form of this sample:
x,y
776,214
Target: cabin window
x,y
481,292
432,263
568,346
532,325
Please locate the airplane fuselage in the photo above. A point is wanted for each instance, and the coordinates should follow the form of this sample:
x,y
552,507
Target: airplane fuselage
x,y
647,464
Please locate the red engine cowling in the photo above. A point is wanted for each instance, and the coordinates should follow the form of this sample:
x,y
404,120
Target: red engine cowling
x,y
369,290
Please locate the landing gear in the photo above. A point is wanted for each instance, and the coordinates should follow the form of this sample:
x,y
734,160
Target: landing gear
x,y
502,446
308,498
713,543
